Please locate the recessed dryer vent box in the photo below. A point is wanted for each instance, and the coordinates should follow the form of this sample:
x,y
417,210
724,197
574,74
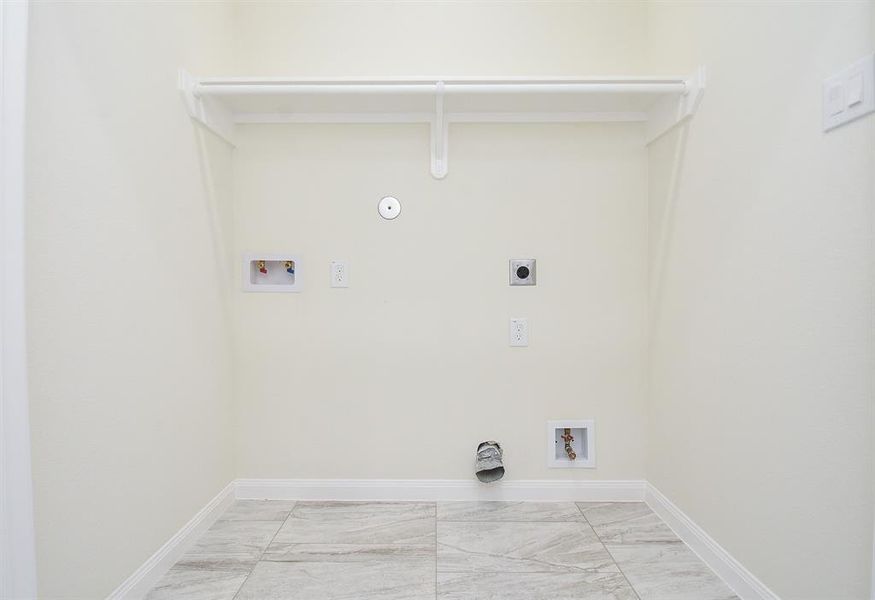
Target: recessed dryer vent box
x,y
583,444
271,273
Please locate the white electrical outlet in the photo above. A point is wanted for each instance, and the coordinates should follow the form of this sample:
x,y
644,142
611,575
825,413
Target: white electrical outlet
x,y
339,274
519,332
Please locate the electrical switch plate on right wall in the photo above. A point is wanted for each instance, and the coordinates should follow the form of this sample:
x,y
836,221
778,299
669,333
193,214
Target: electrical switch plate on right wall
x,y
849,94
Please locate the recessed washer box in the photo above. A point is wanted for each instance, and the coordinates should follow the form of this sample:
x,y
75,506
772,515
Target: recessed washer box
x,y
271,273
583,444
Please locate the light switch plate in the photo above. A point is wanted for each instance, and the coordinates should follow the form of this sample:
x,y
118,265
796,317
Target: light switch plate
x,y
849,94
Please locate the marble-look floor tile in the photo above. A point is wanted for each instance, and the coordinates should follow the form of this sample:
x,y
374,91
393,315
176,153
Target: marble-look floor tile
x,y
668,571
203,577
600,513
336,573
482,551
258,510
237,537
626,522
217,561
347,553
359,523
508,511
515,547
534,586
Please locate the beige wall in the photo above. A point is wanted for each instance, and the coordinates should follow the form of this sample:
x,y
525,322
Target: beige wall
x,y
338,39
408,369
762,303
128,342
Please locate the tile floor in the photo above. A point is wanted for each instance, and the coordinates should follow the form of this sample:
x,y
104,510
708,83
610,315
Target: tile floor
x,y
267,549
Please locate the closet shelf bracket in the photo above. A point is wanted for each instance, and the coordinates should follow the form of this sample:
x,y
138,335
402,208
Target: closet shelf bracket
x,y
209,112
439,135
667,113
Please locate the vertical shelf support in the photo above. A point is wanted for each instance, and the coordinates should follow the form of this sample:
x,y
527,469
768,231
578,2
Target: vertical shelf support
x,y
439,135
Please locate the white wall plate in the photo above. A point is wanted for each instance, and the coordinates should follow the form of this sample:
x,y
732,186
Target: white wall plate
x,y
389,207
522,271
338,274
849,94
519,332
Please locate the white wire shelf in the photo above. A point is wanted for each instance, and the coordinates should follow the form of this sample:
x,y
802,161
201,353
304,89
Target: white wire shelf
x,y
661,102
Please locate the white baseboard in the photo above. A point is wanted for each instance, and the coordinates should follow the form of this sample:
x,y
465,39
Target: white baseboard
x,y
144,579
743,582
442,490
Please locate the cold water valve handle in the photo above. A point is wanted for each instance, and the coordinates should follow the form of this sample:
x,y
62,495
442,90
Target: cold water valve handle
x,y
290,267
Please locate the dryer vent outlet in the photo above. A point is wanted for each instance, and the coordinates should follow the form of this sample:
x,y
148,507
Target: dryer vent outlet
x,y
489,465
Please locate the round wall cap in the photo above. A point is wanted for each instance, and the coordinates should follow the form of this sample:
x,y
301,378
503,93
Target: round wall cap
x,y
389,207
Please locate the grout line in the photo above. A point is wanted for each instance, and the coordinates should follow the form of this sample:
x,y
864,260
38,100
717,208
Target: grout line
x,y
250,520
599,538
263,552
566,521
399,545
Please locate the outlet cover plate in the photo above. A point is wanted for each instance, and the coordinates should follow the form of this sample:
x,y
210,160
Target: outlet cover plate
x,y
522,271
519,332
339,274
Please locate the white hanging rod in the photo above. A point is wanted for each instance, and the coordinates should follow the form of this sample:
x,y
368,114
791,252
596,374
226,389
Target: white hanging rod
x,y
291,87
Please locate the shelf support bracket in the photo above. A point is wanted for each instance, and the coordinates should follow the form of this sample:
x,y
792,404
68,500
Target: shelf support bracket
x,y
671,112
439,135
207,111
